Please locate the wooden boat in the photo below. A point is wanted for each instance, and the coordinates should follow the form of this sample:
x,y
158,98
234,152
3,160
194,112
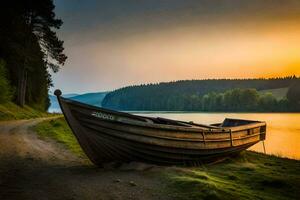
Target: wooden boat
x,y
109,136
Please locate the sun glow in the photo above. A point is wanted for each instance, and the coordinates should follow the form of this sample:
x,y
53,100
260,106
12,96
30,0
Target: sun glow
x,y
196,53
126,54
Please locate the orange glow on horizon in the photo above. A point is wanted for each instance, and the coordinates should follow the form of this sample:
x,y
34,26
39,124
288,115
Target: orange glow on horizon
x,y
193,53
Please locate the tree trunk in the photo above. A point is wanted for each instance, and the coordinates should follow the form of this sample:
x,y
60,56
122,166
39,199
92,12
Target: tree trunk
x,y
21,90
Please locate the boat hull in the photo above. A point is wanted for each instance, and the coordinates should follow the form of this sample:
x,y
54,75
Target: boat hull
x,y
110,136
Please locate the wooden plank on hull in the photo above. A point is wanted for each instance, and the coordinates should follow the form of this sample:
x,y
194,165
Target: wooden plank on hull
x,y
107,135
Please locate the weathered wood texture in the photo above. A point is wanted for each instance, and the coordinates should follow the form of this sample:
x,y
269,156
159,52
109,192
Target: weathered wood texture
x,y
107,136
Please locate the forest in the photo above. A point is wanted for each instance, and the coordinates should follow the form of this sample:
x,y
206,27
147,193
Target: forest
x,y
240,95
29,50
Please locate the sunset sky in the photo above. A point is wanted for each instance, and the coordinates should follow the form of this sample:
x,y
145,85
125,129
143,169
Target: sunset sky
x,y
111,44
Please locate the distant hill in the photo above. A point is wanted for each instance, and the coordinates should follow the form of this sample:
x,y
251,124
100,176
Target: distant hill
x,y
94,99
70,95
54,106
172,95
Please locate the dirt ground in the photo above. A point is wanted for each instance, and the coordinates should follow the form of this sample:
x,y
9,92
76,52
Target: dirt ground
x,y
31,168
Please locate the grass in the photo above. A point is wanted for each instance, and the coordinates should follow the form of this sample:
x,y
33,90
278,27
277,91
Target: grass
x,y
249,176
278,93
10,111
59,130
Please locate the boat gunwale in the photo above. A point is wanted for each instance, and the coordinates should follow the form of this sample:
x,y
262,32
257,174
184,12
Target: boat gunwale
x,y
199,139
175,145
179,139
141,123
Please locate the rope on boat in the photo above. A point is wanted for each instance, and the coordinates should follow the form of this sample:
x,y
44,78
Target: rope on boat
x,y
231,142
263,142
203,135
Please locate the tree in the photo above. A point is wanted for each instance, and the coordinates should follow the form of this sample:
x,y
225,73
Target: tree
x,y
267,102
293,94
5,90
29,44
249,99
202,95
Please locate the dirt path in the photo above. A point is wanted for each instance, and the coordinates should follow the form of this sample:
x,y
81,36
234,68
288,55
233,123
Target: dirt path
x,y
31,168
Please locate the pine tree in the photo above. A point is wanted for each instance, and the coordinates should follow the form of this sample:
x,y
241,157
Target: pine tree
x,y
29,45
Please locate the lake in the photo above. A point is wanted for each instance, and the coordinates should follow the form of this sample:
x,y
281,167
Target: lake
x,y
283,129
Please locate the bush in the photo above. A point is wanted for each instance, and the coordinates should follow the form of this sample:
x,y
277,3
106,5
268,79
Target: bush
x,y
267,102
5,88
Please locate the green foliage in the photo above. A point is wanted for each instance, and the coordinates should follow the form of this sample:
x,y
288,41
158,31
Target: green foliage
x,y
202,95
293,94
30,47
233,100
11,111
240,100
267,101
249,176
5,88
278,93
59,130
246,100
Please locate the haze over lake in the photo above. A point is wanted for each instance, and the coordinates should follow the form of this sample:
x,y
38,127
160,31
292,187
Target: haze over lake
x,y
283,129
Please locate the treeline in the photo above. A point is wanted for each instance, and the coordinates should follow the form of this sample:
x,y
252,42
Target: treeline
x,y
237,100
206,95
29,48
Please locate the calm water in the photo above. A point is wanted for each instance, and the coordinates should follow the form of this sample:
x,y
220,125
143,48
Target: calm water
x,y
283,129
